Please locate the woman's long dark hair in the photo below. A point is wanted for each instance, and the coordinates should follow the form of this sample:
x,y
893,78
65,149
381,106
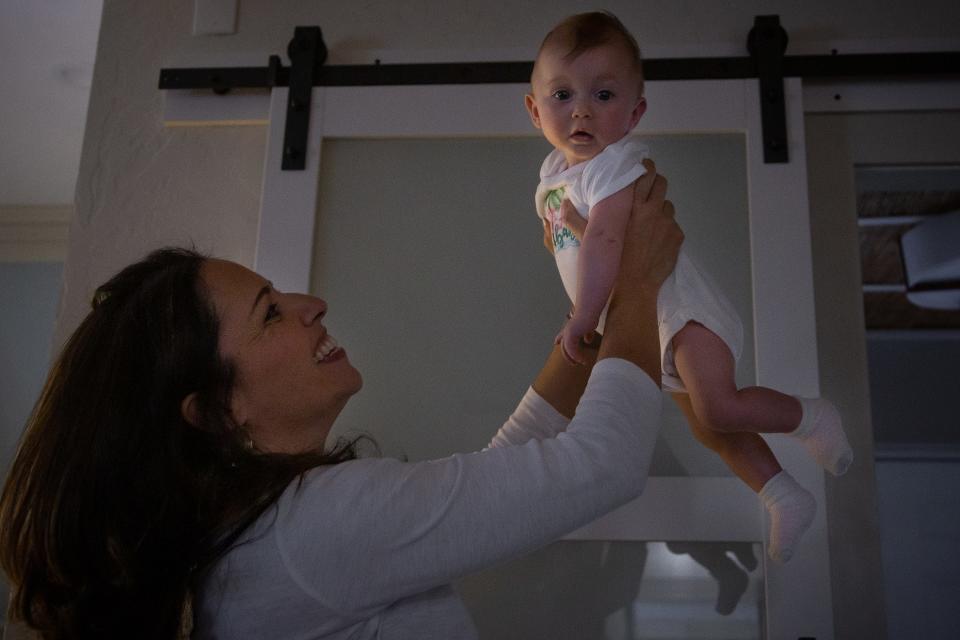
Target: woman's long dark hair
x,y
115,506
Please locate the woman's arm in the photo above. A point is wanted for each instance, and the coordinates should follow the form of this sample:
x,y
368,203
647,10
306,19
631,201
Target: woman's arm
x,y
363,534
651,243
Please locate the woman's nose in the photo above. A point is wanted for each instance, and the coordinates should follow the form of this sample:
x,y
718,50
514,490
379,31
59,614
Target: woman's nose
x,y
311,308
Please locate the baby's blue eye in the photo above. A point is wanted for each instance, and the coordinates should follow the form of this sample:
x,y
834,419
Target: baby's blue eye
x,y
273,311
604,95
561,94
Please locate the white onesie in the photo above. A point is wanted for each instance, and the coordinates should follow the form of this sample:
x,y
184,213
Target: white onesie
x,y
688,294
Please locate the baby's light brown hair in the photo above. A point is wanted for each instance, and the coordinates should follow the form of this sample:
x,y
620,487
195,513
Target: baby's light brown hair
x,y
585,31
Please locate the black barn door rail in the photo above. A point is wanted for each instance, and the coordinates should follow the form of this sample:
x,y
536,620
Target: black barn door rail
x,y
766,44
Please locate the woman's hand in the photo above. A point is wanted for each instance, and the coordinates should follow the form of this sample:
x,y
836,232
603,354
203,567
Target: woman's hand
x,y
547,236
651,245
572,219
653,237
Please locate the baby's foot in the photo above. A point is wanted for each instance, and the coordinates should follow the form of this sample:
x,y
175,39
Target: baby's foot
x,y
821,432
791,509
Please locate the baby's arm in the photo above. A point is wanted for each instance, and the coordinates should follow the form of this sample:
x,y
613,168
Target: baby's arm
x,y
597,267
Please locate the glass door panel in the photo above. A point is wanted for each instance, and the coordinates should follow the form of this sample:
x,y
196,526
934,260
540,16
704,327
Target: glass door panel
x,y
430,255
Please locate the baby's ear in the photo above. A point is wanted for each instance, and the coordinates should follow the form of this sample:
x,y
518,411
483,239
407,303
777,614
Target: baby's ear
x,y
530,102
638,112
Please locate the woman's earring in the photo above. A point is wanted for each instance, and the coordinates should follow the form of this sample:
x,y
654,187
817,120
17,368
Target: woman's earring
x,y
245,440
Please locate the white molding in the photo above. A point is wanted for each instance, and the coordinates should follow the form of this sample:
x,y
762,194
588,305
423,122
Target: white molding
x,y
669,110
186,108
402,111
786,351
782,262
866,96
288,201
474,110
31,233
497,110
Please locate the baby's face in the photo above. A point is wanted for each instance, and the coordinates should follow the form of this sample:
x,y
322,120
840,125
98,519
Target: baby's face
x,y
586,103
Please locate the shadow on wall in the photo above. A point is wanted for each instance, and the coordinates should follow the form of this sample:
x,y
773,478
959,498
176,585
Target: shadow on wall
x,y
581,590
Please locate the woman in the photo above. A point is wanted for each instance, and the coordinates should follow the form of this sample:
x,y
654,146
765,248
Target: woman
x,y
178,454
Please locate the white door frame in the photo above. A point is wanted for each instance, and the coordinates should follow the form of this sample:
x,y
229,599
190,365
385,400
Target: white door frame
x,y
798,597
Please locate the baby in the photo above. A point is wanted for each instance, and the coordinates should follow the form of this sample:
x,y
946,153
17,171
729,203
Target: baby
x,y
586,96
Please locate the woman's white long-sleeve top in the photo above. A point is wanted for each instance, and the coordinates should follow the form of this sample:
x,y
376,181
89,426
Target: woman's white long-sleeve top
x,y
369,548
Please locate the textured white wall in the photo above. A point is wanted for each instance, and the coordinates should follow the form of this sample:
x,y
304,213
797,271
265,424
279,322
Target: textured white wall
x,y
141,185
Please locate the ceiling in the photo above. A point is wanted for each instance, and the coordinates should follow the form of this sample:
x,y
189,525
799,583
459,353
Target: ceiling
x,y
47,48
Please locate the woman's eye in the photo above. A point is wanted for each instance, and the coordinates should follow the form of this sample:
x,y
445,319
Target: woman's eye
x,y
561,94
273,311
604,95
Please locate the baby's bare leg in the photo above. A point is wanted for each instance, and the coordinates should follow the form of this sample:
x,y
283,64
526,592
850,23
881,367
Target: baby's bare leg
x,y
791,507
706,367
728,420
746,454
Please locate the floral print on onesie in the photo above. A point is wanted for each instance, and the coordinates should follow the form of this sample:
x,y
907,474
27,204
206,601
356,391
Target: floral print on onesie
x,y
563,238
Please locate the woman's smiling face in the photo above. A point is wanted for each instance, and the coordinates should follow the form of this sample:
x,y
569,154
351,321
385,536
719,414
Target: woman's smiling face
x,y
292,380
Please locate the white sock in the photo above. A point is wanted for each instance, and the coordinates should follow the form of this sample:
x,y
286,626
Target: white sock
x,y
822,434
791,509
